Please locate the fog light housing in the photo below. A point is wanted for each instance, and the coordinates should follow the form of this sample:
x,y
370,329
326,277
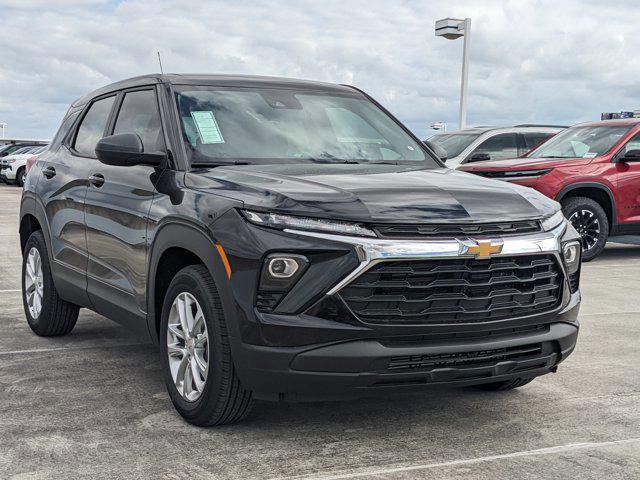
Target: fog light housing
x,y
282,267
280,272
571,256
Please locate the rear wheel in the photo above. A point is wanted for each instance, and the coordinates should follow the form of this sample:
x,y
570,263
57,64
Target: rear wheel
x,y
590,220
47,314
196,355
505,385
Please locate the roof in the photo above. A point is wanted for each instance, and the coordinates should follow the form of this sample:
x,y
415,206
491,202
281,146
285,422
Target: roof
x,y
617,121
217,80
487,128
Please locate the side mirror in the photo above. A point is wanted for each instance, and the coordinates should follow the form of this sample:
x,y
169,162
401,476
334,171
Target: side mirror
x,y
630,156
125,150
480,157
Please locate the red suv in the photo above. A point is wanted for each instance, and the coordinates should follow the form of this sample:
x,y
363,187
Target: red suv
x,y
592,169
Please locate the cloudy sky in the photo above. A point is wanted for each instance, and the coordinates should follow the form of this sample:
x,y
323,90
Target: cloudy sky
x,y
531,61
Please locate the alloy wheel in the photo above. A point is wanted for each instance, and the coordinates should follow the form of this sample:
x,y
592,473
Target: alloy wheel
x,y
33,283
188,346
587,225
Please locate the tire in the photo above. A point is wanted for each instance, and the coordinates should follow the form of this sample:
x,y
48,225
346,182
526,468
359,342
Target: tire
x,y
19,179
56,316
221,399
505,385
587,215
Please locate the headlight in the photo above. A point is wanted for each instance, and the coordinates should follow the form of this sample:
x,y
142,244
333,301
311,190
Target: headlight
x,y
553,221
571,252
11,160
277,220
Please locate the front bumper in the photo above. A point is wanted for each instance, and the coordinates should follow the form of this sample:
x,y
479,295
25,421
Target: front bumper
x,y
362,367
312,347
6,173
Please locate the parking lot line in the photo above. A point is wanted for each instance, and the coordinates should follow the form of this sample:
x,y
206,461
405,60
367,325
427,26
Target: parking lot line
x,y
58,349
467,461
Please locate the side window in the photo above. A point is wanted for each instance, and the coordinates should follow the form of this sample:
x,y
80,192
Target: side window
x,y
92,126
139,114
632,144
499,146
535,139
62,132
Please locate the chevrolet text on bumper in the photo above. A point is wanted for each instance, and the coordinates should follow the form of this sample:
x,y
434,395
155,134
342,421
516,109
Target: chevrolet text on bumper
x,y
289,240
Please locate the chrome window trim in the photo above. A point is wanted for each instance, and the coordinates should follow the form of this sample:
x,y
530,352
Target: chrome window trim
x,y
375,250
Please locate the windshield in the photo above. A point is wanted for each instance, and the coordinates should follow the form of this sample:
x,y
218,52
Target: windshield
x,y
453,143
581,142
262,125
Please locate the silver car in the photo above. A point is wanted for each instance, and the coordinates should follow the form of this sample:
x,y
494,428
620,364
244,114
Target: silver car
x,y
489,143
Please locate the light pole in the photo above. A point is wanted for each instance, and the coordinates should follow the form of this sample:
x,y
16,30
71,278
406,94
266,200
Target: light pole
x,y
3,125
452,28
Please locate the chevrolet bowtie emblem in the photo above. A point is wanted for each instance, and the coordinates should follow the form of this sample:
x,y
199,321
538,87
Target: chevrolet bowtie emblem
x,y
481,249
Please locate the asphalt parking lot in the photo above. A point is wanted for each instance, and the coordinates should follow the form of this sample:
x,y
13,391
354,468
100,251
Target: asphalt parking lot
x,y
92,404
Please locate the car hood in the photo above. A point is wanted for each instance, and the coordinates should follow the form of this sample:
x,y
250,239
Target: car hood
x,y
373,193
521,164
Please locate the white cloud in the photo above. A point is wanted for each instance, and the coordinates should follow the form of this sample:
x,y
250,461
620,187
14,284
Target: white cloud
x,y
534,61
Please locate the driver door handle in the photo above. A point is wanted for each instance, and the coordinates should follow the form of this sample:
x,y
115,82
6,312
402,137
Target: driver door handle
x,y
97,180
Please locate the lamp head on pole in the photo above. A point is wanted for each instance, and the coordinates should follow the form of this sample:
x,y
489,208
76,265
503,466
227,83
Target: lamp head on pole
x,y
450,28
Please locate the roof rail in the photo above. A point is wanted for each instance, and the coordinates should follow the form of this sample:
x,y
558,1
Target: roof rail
x,y
540,125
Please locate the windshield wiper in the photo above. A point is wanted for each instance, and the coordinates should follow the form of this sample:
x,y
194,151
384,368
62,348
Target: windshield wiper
x,y
218,164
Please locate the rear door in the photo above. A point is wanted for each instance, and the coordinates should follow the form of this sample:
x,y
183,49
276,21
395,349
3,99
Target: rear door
x,y
116,211
62,187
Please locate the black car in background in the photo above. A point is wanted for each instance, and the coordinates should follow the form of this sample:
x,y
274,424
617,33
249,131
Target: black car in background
x,y
289,240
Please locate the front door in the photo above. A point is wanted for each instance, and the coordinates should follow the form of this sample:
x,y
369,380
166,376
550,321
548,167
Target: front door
x,y
116,214
628,186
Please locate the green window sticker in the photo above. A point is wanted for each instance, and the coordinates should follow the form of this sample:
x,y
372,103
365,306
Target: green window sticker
x,y
207,126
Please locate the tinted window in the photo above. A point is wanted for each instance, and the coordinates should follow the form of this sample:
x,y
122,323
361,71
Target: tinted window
x,y
533,140
92,126
633,144
499,146
67,123
139,114
453,143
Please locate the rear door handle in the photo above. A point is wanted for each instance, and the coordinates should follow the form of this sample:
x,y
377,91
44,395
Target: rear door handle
x,y
97,180
49,172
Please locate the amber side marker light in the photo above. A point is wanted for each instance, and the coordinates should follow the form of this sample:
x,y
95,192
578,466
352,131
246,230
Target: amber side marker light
x,y
225,260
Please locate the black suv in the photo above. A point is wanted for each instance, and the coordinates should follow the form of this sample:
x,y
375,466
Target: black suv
x,y
289,240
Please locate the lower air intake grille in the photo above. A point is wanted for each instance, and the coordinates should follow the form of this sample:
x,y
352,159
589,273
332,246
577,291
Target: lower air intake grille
x,y
453,291
463,359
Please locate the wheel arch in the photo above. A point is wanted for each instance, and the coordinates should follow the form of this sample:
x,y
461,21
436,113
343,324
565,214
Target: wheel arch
x,y
598,192
175,246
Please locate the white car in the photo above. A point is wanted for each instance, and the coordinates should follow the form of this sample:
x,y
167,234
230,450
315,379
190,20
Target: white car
x,y
13,167
489,143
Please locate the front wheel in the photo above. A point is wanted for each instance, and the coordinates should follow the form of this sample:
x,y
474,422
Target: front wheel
x,y
590,220
196,355
21,176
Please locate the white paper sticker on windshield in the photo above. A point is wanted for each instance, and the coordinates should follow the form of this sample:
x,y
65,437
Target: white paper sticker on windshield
x,y
207,126
590,155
